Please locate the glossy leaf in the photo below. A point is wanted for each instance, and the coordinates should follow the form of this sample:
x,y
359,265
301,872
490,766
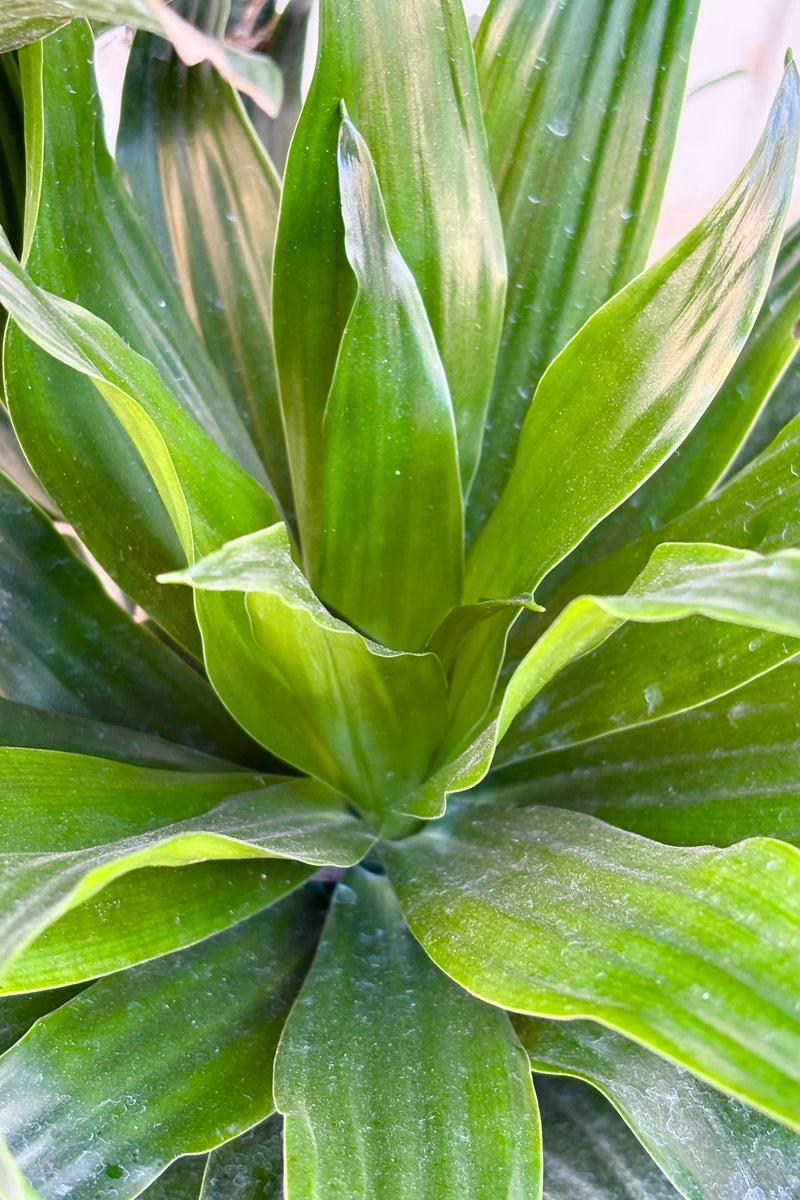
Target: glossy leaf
x,y
689,951
201,179
181,1181
757,509
24,726
407,75
12,151
145,914
13,1184
680,580
19,1013
73,825
55,608
581,106
195,480
248,1168
708,1145
589,1151
23,21
459,1118
708,453
119,274
659,351
365,719
782,406
392,530
709,776
203,1023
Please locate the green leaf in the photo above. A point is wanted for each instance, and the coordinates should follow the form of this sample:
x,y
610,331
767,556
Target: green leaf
x,y
706,456
365,719
23,21
118,273
196,481
202,1025
55,609
633,382
459,1117
12,151
782,406
407,75
708,1145
589,1151
709,776
581,104
24,726
123,818
202,181
181,1181
689,951
145,914
757,509
248,1168
391,550
752,591
285,41
19,1013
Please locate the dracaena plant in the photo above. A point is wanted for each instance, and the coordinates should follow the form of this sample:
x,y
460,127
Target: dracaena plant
x,y
429,793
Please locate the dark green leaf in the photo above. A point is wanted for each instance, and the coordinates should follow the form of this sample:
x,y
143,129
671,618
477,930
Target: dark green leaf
x,y
92,821
709,776
55,610
581,105
181,1181
589,1152
407,74
553,913
18,1013
202,1026
393,1081
207,190
23,21
248,1168
24,726
286,45
147,913
633,382
391,554
708,1145
365,719
12,152
119,274
706,456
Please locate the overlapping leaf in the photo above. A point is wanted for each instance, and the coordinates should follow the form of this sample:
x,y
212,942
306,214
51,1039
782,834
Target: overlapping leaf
x,y
23,21
248,1168
73,825
753,592
201,179
708,1145
581,105
708,776
365,719
689,951
55,609
590,1151
202,1025
407,75
459,1117
392,530
119,274
633,382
